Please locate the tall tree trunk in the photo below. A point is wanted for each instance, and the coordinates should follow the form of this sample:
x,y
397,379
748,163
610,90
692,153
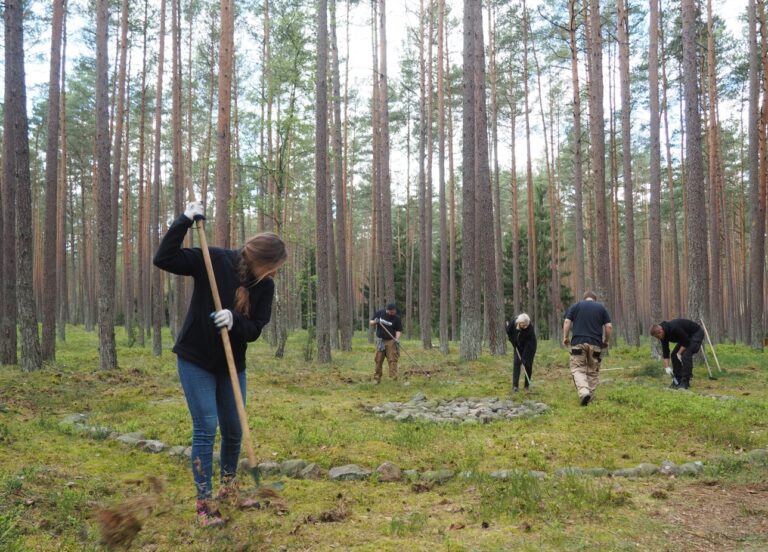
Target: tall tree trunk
x,y
630,320
62,298
471,318
178,306
452,300
696,228
756,192
154,216
345,313
496,191
386,194
105,239
321,158
577,176
221,228
50,265
516,291
16,175
532,304
597,150
425,200
142,303
654,170
444,274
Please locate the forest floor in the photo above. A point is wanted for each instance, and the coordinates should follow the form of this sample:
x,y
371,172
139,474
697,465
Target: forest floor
x,y
56,483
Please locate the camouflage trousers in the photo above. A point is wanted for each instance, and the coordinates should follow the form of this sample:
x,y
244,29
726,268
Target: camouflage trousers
x,y
386,348
585,368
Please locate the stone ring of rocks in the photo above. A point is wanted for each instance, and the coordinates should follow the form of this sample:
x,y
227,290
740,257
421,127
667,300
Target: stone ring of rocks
x,y
466,411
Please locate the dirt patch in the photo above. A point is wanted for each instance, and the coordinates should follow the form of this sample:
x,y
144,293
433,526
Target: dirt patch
x,y
706,517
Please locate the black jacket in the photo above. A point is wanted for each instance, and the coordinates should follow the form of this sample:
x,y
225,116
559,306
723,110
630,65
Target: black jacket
x,y
396,325
680,331
522,340
199,341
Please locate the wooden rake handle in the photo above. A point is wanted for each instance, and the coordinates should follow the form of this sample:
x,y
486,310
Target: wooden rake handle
x,y
227,348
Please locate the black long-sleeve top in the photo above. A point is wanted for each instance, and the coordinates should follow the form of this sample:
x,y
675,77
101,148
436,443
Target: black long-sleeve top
x,y
199,341
523,340
680,331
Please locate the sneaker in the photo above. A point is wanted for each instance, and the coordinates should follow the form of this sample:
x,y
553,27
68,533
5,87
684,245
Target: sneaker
x,y
585,400
207,516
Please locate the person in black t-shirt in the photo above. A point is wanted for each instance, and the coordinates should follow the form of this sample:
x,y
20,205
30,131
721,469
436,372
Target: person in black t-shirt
x,y
388,330
592,330
688,335
244,280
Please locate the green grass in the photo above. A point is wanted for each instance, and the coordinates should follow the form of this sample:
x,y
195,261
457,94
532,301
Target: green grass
x,y
54,476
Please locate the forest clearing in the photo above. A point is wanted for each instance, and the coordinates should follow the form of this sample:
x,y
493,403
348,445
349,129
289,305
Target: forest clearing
x,y
55,477
384,275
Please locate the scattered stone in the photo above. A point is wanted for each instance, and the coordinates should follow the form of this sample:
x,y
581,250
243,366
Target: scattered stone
x,y
458,411
757,456
646,470
596,472
176,451
691,468
411,475
70,484
437,476
350,472
292,468
74,419
502,474
537,474
132,439
267,468
188,452
388,472
668,468
312,471
569,471
626,472
153,445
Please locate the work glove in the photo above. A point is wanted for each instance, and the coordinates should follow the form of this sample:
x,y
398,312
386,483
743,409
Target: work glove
x,y
194,211
223,318
679,357
668,370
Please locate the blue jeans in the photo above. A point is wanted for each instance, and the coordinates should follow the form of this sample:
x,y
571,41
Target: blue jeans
x,y
210,400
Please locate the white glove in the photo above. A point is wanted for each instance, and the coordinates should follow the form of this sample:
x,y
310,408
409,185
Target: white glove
x,y
194,211
223,318
679,357
668,370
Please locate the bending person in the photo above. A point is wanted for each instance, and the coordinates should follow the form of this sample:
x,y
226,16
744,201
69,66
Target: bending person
x,y
688,335
522,335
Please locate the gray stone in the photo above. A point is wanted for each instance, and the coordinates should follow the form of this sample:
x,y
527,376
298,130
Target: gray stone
x,y
691,468
757,456
646,469
569,471
419,397
596,472
390,414
188,452
312,471
411,475
537,474
404,417
388,472
292,468
269,468
176,451
503,474
437,476
378,410
153,445
349,472
668,468
626,472
74,419
131,439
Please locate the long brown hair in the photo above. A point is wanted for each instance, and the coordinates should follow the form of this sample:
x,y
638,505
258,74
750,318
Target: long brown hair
x,y
264,252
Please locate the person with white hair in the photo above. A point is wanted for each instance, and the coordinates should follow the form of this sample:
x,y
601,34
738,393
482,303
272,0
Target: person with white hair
x,y
523,338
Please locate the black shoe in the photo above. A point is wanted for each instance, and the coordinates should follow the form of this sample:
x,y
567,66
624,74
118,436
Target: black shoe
x,y
585,400
685,385
674,385
515,389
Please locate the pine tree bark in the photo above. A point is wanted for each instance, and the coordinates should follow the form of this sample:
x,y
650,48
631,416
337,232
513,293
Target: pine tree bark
x,y
154,215
516,291
16,175
444,274
425,200
62,295
321,157
50,266
577,162
597,150
178,306
696,228
221,229
532,302
142,303
105,239
630,320
654,226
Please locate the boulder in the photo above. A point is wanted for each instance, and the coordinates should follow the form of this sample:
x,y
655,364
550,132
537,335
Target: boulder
x,y
153,445
389,472
312,471
269,468
668,467
691,468
350,472
132,439
292,468
437,476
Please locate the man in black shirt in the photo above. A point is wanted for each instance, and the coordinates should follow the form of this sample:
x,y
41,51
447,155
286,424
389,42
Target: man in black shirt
x,y
592,330
388,330
688,335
